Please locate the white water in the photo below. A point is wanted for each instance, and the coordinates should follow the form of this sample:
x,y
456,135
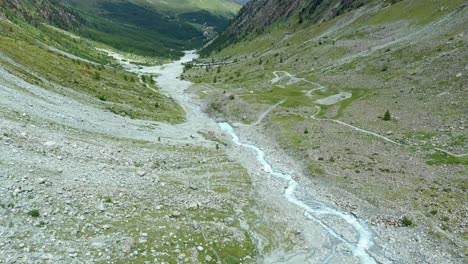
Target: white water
x,y
364,243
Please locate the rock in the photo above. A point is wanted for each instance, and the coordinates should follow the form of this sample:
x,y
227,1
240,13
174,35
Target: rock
x,y
50,144
193,187
127,244
101,206
28,189
389,133
106,227
195,225
208,258
200,248
193,205
41,180
175,214
141,173
229,220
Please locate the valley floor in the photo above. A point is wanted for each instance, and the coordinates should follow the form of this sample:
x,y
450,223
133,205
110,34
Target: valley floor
x,y
81,184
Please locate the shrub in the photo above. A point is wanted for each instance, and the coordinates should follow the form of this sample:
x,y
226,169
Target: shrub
x,y
387,116
406,221
34,213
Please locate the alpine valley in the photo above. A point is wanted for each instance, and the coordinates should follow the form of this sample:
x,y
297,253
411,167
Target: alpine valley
x,y
233,131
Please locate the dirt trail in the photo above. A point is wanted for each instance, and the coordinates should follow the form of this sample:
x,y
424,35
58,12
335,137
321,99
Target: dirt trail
x,y
376,134
264,114
320,218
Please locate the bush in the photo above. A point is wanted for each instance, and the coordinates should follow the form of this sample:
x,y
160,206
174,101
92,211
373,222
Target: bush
x,y
34,213
387,116
406,221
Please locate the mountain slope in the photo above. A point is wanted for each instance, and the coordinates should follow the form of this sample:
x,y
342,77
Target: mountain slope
x,y
256,16
152,28
94,160
36,12
326,84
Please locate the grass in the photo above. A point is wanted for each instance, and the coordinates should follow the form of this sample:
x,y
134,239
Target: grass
x,y
440,158
104,83
416,11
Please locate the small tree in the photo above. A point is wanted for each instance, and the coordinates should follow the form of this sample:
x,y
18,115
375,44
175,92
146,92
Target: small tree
x,y
387,116
301,18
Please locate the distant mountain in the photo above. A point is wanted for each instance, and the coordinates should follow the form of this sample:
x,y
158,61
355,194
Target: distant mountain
x,y
256,15
152,28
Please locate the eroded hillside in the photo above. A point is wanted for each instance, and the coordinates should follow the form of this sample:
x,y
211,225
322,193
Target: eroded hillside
x,y
327,80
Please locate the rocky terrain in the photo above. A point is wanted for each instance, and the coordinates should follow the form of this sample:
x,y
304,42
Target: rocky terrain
x,y
101,187
305,144
327,86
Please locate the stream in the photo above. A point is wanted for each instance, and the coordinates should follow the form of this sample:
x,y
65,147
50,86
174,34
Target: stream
x,y
347,234
313,208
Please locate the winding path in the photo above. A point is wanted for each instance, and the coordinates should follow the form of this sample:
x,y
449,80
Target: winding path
x,y
264,114
294,80
334,224
377,135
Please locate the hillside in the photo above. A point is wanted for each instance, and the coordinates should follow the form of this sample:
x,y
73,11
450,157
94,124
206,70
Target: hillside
x,y
95,153
307,132
256,16
153,28
35,13
326,73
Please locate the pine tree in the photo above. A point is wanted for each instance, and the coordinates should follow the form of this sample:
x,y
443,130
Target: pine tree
x,y
387,116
